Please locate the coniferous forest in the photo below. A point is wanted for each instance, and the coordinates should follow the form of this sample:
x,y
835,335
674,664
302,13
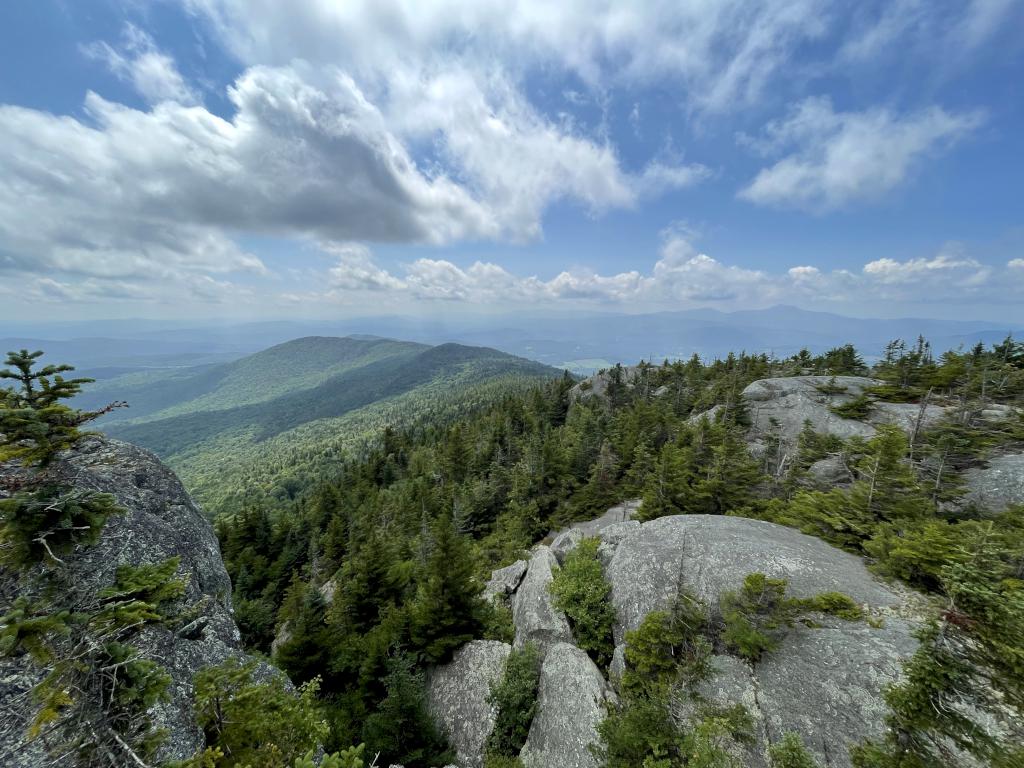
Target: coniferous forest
x,y
406,534
374,573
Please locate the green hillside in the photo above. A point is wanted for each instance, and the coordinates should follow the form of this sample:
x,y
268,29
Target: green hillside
x,y
282,369
260,427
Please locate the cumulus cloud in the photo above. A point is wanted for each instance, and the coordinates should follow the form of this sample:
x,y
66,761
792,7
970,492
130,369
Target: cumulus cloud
x,y
680,277
944,267
836,158
138,61
156,193
159,192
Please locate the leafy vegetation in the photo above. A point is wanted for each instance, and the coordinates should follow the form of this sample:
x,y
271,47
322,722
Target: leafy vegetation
x,y
514,699
581,590
249,723
528,462
790,752
756,617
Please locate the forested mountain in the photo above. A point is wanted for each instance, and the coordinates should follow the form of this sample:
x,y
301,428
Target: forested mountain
x,y
381,557
731,623
262,424
581,342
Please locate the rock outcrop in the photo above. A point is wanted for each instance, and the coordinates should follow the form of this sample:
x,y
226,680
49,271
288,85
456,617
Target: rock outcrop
x,y
709,554
781,406
535,617
505,581
571,701
160,521
830,472
457,697
824,681
996,486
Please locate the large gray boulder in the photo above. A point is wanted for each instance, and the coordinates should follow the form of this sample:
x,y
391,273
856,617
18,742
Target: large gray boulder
x,y
618,514
457,697
779,407
996,486
830,472
566,542
571,700
825,683
505,581
708,554
160,521
534,615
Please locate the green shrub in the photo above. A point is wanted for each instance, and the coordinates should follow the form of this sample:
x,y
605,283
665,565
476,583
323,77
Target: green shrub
x,y
831,387
346,758
34,424
756,618
641,732
497,621
247,722
515,700
581,590
667,646
138,595
834,604
715,739
401,729
858,408
790,752
45,524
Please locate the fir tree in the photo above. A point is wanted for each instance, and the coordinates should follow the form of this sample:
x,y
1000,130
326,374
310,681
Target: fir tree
x,y
447,611
34,424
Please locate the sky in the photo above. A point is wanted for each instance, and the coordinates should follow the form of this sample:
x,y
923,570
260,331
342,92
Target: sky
x,y
325,159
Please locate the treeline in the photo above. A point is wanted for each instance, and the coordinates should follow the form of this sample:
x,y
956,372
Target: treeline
x,y
375,571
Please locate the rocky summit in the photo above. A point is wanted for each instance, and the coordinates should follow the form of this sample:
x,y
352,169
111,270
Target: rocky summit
x,y
824,682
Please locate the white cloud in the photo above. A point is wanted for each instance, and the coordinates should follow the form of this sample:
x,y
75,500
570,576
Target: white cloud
x,y
683,277
724,53
939,32
1015,264
983,19
154,194
139,62
356,271
840,157
942,267
157,194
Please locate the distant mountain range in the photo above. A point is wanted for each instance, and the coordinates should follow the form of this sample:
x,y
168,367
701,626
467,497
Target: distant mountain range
x,y
257,425
580,342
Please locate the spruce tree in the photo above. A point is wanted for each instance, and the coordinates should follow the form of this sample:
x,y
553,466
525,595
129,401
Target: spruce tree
x,y
34,424
447,612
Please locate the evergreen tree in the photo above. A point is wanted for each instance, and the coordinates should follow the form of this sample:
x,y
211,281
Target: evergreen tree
x,y
401,729
34,424
447,611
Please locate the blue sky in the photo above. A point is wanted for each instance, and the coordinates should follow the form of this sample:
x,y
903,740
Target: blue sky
x,y
250,158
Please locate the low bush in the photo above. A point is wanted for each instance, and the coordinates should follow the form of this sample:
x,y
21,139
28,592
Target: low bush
x,y
581,590
515,700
